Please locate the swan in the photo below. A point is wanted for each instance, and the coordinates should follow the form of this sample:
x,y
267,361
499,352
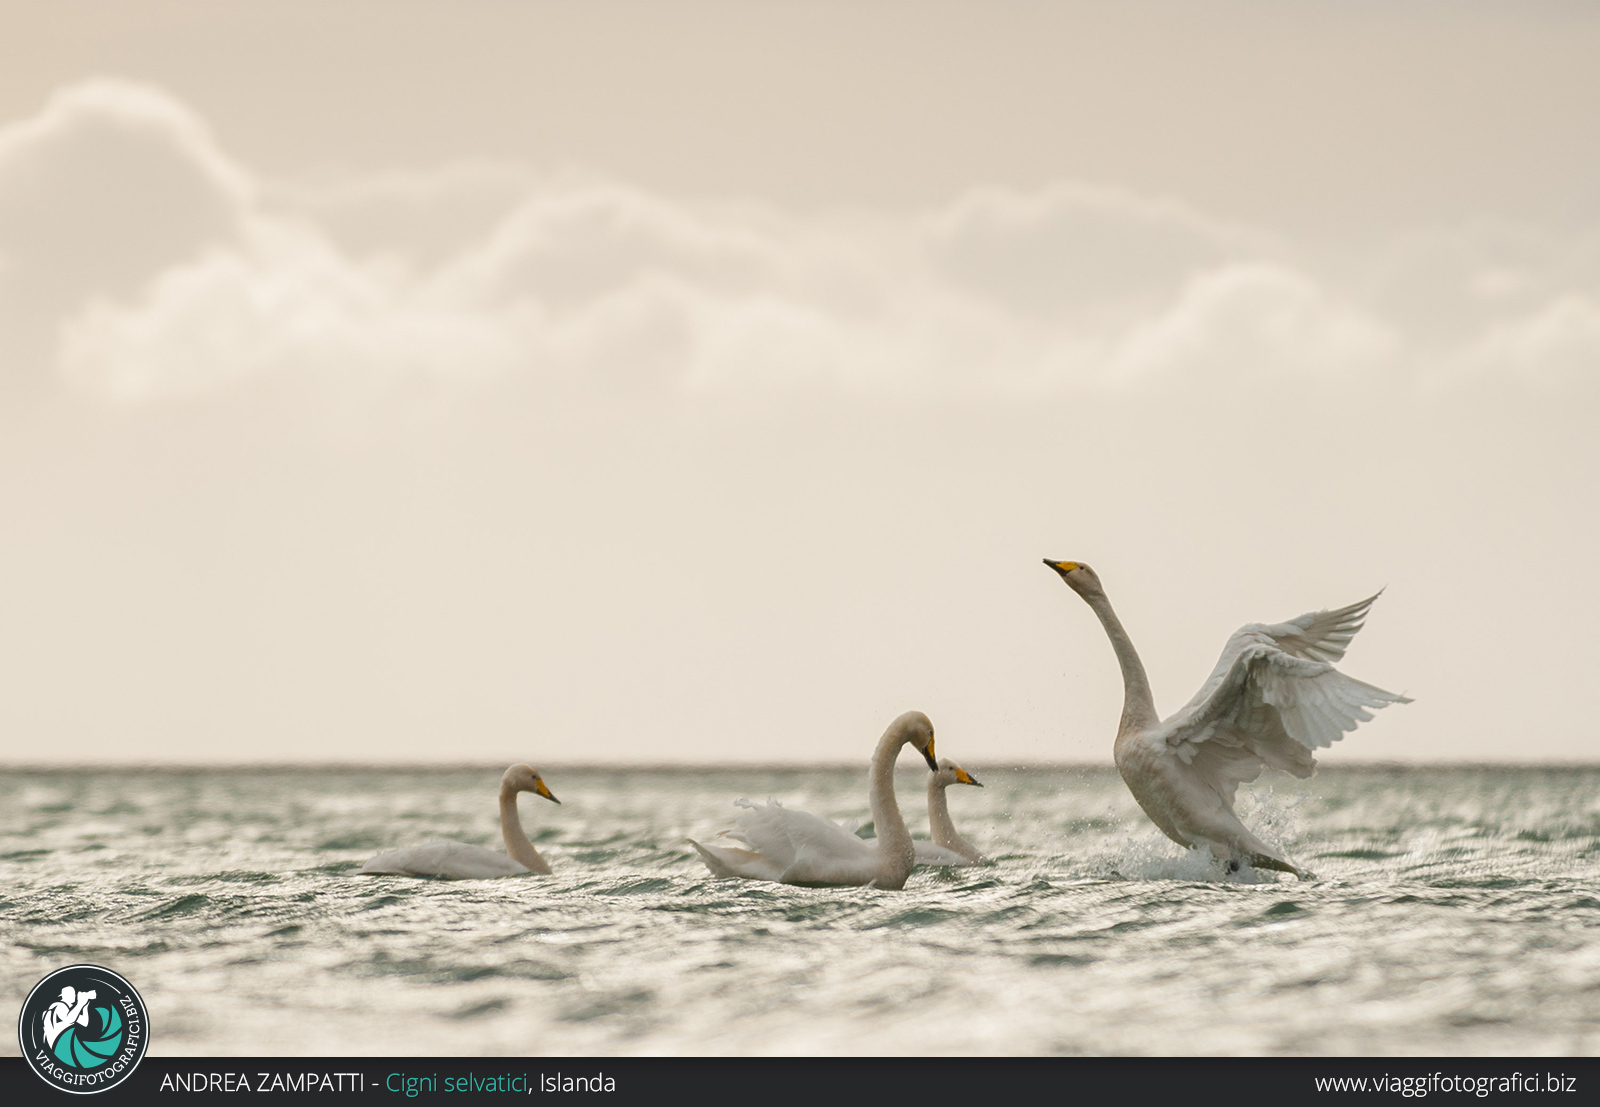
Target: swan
x,y
948,847
796,847
1273,698
459,861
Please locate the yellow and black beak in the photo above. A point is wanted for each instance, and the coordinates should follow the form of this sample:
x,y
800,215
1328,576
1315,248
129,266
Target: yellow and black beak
x,y
1062,567
964,777
541,789
927,755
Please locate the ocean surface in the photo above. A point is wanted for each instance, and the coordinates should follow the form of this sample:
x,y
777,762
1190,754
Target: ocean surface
x,y
1455,911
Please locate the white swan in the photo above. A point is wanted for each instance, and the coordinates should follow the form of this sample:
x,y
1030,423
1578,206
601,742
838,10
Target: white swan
x,y
948,848
796,847
459,861
1272,699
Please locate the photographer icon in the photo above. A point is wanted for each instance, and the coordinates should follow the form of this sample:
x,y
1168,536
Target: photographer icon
x,y
66,1011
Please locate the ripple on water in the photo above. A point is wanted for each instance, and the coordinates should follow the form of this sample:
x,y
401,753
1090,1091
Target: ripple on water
x,y
635,887
603,1005
1456,913
96,950
357,840
230,876
477,1010
535,970
183,905
1060,960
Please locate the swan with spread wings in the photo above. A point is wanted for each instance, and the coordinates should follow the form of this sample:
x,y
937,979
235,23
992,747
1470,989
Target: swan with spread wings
x,y
1273,698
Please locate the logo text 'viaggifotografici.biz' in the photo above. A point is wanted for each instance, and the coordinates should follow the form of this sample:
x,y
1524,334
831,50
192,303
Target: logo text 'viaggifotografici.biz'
x,y
83,1029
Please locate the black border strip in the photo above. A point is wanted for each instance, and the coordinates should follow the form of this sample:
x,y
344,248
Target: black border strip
x,y
828,1081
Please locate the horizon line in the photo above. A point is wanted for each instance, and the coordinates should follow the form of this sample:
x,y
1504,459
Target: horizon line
x,y
477,765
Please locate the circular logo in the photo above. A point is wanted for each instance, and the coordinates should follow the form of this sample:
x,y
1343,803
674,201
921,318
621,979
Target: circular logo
x,y
83,1029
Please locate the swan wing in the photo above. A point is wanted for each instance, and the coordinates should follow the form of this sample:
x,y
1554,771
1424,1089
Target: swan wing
x,y
1321,635
1266,706
445,860
807,848
1314,636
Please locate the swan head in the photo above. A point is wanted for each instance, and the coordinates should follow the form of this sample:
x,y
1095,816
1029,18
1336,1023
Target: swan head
x,y
1079,577
950,773
915,729
525,778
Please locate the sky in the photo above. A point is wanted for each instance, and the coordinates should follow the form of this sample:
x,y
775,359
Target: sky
x,y
639,382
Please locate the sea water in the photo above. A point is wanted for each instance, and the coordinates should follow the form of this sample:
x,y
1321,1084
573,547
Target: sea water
x,y
1454,911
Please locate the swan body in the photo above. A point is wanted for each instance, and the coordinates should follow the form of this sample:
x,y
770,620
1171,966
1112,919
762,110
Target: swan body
x,y
796,847
948,848
459,861
1273,698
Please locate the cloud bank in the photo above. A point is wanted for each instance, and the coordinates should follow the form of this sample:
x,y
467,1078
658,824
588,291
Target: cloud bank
x,y
138,261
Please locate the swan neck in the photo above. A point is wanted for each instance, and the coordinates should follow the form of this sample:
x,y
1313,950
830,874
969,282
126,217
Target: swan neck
x,y
1138,706
517,845
896,854
940,826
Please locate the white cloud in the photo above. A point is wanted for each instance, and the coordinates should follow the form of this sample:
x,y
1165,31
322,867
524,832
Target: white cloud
x,y
567,248
1556,346
1071,250
160,267
1256,322
111,184
1448,285
420,218
283,302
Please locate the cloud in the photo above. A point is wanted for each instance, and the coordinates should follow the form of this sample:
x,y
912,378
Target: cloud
x,y
108,187
1252,323
1450,285
1071,249
139,261
283,302
420,218
1557,346
566,249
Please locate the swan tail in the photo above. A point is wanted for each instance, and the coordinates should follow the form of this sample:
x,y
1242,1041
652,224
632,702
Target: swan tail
x,y
732,862
713,862
1277,864
392,862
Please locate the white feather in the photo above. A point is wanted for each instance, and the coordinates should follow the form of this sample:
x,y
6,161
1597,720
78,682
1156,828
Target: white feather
x,y
444,859
1273,698
797,847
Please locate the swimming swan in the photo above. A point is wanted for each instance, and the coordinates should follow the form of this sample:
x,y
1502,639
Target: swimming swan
x,y
947,848
1273,698
796,847
459,861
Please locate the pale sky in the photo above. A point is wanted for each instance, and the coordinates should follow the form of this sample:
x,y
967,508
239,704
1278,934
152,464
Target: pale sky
x,y
705,381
